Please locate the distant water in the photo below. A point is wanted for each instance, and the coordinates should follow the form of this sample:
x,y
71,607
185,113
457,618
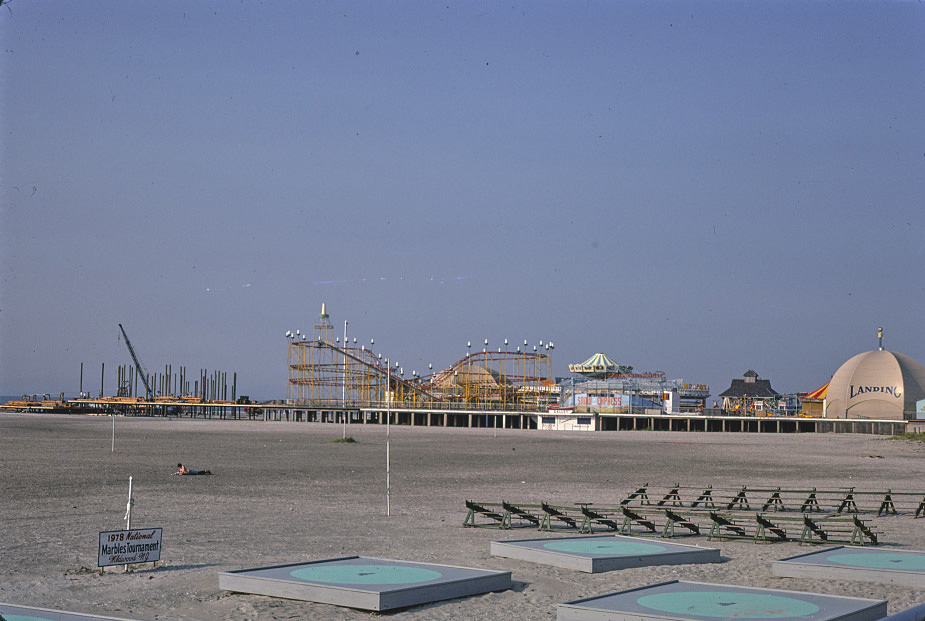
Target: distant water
x,y
17,396
55,395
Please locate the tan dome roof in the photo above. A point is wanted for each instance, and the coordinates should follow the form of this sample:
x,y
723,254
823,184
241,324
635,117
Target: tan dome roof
x,y
876,384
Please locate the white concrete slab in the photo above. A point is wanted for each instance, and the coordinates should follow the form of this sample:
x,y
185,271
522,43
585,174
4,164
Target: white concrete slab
x,y
888,565
365,582
598,553
15,612
697,601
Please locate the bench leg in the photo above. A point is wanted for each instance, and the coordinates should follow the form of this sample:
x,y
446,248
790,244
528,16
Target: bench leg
x,y
585,526
806,536
626,528
857,536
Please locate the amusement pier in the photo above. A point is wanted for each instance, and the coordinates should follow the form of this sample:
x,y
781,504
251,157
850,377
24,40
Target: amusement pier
x,y
333,380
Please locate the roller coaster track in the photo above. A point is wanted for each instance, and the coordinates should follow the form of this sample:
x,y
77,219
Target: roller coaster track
x,y
372,366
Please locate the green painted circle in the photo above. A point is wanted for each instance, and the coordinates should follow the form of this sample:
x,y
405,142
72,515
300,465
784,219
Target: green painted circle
x,y
10,617
592,546
365,574
728,604
879,560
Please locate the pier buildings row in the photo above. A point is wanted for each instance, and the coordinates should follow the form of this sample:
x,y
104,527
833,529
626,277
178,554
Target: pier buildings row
x,y
489,419
508,387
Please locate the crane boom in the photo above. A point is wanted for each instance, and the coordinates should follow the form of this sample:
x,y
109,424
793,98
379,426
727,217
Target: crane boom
x,y
141,369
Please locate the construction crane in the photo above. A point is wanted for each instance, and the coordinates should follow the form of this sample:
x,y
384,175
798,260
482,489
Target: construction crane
x,y
141,369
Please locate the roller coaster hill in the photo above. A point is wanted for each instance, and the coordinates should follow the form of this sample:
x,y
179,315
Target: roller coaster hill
x,y
327,375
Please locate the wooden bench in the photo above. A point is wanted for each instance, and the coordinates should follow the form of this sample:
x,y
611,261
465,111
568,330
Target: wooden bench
x,y
813,529
491,510
725,527
622,519
640,496
705,499
673,498
843,530
759,529
502,515
757,526
559,514
673,519
885,503
531,514
766,499
630,516
765,525
604,517
894,503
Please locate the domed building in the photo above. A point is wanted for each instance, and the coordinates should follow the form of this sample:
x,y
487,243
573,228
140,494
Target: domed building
x,y
882,385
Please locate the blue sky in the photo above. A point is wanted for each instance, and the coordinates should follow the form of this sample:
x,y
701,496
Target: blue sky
x,y
699,188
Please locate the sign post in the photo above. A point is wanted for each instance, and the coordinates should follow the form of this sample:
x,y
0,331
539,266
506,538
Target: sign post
x,y
132,545
128,510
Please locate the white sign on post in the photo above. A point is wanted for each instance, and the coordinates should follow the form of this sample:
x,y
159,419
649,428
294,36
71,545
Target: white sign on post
x,y
121,547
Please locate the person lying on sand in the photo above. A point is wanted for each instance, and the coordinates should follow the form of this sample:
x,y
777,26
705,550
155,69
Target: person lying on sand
x,y
181,469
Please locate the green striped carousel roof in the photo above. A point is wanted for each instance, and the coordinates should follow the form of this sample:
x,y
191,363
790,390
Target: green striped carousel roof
x,y
598,363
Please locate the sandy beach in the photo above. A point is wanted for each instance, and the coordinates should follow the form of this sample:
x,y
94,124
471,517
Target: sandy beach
x,y
286,492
